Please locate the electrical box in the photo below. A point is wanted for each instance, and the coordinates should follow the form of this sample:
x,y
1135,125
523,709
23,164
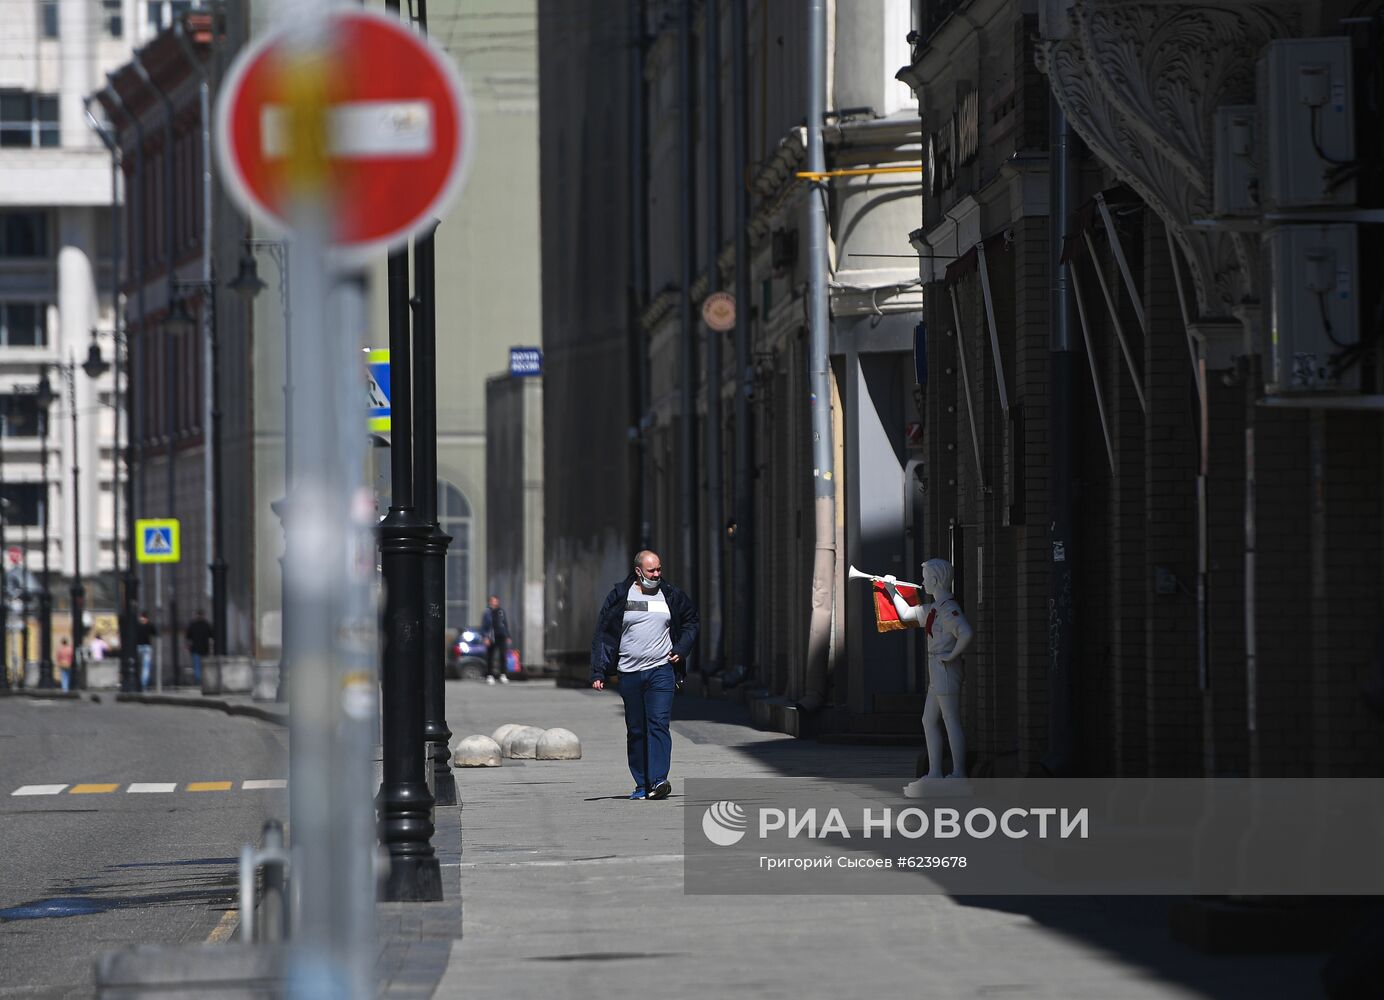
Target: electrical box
x,y
1237,176
1308,123
1314,318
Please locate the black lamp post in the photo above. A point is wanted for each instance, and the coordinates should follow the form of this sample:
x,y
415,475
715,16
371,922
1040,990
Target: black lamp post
x,y
180,322
77,592
4,574
43,396
247,283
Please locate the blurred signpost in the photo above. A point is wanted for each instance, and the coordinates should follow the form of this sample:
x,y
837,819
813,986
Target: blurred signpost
x,y
377,368
342,132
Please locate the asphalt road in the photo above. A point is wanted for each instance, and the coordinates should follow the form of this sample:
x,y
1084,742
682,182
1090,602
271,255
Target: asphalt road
x,y
126,829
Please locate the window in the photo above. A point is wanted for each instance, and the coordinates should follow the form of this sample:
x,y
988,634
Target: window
x,y
162,13
20,415
113,18
23,324
23,234
28,119
454,518
48,13
22,504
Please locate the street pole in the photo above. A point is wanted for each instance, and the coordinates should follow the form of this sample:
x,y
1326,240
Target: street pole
x,y
435,732
78,590
218,557
405,805
45,596
4,573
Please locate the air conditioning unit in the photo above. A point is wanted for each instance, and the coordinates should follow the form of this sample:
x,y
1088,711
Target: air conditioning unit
x,y
1308,122
1236,191
1314,316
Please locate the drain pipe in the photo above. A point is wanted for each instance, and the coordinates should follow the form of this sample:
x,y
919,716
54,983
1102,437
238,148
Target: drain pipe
x,y
211,475
687,444
1061,689
742,540
170,174
819,372
711,131
639,279
135,409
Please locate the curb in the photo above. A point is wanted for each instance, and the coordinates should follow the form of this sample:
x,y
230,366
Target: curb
x,y
230,708
41,693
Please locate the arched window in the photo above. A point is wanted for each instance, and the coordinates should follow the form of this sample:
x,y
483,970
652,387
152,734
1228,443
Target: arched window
x,y
454,517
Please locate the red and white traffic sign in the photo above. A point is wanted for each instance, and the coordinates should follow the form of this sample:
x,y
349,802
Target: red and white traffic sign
x,y
398,130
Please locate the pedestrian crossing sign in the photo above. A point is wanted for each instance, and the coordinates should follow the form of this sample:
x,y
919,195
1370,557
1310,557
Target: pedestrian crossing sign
x,y
158,540
377,365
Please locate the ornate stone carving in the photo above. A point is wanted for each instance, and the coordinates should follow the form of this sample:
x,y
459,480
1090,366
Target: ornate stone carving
x,y
1139,81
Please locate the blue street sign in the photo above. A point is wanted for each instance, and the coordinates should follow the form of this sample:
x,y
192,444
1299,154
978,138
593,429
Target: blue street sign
x,y
525,361
377,364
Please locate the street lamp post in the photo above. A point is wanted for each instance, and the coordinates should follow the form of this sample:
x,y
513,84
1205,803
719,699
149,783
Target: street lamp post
x,y
181,321
247,283
4,573
78,589
44,398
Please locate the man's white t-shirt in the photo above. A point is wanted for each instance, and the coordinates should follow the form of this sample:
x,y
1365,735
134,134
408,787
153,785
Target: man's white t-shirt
x,y
645,638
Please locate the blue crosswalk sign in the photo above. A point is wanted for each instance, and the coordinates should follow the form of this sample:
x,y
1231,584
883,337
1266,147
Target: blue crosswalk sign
x,y
158,540
377,364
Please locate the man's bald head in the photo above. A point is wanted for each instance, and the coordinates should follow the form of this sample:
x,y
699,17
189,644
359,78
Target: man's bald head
x,y
649,568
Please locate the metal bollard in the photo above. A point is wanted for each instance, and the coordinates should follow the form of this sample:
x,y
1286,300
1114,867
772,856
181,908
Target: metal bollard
x,y
276,861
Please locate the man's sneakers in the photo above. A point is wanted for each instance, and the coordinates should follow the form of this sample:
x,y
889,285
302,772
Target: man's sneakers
x,y
489,679
661,790
638,793
504,678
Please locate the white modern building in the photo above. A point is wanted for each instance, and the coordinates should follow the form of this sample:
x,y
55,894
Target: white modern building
x,y
56,280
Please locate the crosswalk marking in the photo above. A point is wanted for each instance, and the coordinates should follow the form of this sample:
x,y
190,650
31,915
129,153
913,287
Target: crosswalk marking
x,y
152,787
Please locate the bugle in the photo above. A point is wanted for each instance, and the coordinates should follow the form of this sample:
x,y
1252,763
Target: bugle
x,y
855,574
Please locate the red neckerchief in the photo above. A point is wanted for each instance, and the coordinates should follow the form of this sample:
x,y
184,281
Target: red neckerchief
x,y
931,617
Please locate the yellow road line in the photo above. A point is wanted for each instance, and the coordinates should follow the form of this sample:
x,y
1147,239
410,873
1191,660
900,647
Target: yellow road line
x,y
92,789
225,928
208,786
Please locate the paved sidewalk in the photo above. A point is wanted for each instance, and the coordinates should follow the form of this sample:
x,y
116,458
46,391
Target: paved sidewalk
x,y
571,890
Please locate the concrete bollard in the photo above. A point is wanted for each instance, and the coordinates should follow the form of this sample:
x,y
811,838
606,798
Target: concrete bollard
x,y
477,751
522,743
499,735
558,744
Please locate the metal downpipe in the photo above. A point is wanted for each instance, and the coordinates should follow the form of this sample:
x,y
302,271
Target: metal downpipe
x,y
819,373
711,130
742,542
1060,757
687,235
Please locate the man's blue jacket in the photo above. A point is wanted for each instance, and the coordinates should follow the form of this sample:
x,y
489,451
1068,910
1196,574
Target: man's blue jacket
x,y
605,644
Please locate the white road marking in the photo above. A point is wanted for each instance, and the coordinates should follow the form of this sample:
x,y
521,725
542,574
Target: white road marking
x,y
358,129
264,783
152,786
38,790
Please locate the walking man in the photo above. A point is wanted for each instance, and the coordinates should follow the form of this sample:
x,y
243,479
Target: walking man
x,y
644,633
145,630
495,632
199,633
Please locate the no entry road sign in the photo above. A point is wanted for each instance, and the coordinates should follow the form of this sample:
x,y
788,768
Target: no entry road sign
x,y
382,127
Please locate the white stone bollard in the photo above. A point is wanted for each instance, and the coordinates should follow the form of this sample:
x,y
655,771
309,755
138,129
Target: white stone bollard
x,y
522,743
499,735
477,751
558,744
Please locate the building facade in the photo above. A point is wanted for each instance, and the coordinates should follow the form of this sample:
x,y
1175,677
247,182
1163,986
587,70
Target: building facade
x,y
57,291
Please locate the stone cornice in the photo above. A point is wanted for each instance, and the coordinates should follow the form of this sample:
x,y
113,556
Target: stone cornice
x,y
1140,82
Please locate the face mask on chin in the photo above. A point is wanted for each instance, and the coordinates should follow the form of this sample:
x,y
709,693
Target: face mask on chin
x,y
645,582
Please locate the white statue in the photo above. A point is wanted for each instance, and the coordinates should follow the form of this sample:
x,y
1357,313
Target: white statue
x,y
948,636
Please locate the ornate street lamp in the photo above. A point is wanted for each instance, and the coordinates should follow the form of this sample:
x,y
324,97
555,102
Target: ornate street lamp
x,y
43,396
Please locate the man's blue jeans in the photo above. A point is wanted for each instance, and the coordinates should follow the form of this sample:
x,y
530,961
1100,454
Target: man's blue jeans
x,y
197,668
648,698
146,665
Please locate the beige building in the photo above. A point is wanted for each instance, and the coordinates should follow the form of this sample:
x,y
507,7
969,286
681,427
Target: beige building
x,y
487,269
